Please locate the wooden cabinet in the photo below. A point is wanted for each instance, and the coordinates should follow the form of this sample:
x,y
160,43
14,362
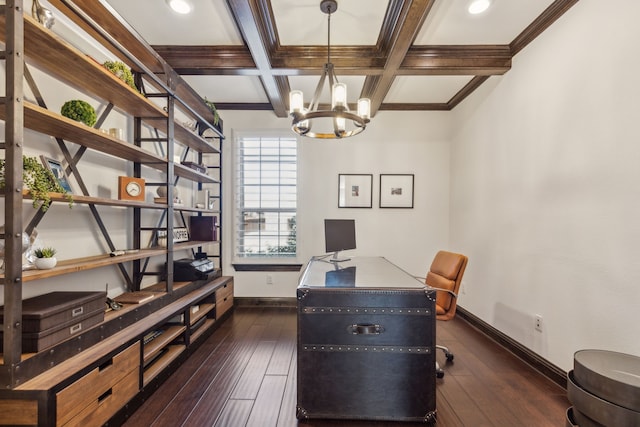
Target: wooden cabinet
x,y
87,379
94,398
224,299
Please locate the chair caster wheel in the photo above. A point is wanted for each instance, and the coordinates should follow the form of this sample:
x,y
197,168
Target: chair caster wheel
x,y
449,357
439,373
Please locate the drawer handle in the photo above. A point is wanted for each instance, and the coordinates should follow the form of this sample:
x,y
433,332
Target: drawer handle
x,y
105,395
365,329
75,328
77,311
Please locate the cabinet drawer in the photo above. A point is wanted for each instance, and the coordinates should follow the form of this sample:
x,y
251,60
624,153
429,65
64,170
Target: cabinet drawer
x,y
91,387
223,304
108,403
224,291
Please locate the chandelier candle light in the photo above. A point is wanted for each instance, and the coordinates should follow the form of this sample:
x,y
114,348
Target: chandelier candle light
x,y
334,120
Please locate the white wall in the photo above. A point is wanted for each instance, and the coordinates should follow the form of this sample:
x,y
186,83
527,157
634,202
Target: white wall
x,y
393,143
544,195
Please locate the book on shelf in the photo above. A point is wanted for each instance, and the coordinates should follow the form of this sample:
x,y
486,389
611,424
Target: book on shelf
x,y
134,297
150,336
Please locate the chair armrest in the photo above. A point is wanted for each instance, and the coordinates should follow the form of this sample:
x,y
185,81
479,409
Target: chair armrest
x,y
453,294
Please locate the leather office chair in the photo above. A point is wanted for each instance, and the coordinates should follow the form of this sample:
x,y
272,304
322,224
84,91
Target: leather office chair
x,y
445,275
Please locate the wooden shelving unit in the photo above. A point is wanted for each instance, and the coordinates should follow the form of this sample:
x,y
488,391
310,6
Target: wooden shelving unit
x,y
33,380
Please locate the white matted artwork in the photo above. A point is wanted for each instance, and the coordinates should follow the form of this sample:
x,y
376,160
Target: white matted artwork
x,y
396,191
354,191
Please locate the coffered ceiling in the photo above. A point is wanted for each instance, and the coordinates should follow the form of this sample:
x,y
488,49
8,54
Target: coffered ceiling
x,y
402,54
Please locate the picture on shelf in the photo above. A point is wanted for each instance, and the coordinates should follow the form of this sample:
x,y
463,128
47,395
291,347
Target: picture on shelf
x,y
58,172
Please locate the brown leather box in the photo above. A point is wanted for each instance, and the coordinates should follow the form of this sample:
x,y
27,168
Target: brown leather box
x,y
366,354
55,308
50,318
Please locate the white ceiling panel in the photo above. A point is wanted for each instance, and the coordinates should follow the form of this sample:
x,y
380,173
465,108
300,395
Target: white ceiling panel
x,y
210,23
449,23
425,89
228,88
301,22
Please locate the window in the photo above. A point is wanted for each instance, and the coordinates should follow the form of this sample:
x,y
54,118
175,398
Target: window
x,y
266,196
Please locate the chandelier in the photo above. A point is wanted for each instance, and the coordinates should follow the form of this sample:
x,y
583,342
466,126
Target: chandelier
x,y
339,121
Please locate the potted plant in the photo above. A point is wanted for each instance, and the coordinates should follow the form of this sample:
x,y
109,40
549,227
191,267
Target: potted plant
x,y
80,111
45,258
121,71
214,110
39,181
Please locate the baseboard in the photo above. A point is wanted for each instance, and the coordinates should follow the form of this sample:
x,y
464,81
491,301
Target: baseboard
x,y
542,365
265,302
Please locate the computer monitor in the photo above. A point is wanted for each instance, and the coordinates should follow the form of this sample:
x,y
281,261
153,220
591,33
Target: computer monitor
x,y
339,235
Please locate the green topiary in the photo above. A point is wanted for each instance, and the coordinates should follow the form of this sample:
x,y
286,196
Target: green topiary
x,y
39,180
121,71
79,111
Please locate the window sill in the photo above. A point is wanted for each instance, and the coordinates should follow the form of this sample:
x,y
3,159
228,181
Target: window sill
x,y
267,267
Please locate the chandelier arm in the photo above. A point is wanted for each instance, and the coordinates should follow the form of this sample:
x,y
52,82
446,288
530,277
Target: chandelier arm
x,y
315,101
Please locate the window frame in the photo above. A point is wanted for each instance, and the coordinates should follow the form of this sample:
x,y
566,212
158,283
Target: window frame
x,y
261,262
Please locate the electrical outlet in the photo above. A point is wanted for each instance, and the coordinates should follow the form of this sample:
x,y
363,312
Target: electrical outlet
x,y
538,323
269,279
463,288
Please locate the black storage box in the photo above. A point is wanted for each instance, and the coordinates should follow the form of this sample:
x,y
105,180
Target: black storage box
x,y
51,318
365,353
203,228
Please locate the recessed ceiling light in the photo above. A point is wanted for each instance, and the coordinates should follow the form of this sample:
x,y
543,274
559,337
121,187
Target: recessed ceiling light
x,y
180,6
478,6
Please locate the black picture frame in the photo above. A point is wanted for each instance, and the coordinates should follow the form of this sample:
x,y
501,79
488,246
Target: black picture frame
x,y
396,191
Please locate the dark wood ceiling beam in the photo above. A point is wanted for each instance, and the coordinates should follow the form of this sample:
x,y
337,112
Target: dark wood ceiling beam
x,y
456,60
206,59
410,17
541,23
466,91
404,106
254,26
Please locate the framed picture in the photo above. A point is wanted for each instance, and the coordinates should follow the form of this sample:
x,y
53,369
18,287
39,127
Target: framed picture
x,y
57,170
354,191
396,191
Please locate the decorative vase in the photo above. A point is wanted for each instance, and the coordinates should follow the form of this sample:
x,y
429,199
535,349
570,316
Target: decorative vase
x,y
46,263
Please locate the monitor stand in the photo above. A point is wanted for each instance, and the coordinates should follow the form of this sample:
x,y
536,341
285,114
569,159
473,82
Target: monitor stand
x,y
335,258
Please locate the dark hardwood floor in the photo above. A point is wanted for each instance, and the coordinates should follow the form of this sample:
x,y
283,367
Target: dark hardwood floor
x,y
244,375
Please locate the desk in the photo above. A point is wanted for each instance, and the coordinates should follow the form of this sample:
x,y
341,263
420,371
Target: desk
x,y
366,342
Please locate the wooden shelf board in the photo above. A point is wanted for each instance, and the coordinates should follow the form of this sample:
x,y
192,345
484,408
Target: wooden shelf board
x,y
188,245
162,286
162,362
59,197
184,136
193,175
190,209
50,123
46,50
86,263
204,309
202,329
157,344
